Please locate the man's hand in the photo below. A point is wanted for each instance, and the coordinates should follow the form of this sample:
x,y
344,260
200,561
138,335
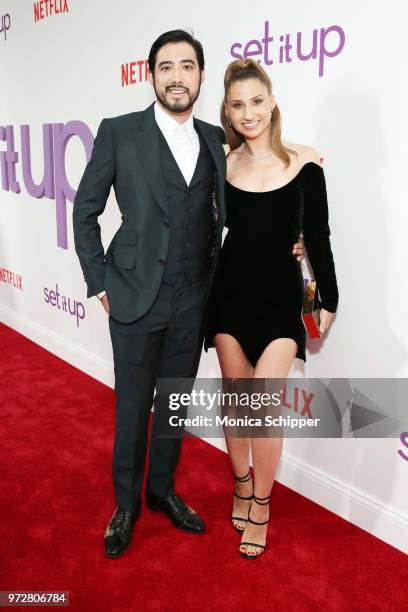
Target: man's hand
x,y
105,303
298,248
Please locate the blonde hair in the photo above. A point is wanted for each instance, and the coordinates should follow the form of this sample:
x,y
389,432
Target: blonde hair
x,y
241,70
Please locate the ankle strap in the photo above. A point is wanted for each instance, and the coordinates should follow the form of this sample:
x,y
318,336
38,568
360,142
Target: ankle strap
x,y
243,478
256,522
261,500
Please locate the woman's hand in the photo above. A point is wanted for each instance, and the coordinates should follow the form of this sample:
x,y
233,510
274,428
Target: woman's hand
x,y
326,318
298,249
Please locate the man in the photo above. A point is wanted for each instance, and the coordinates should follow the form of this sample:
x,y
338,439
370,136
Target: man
x,y
168,172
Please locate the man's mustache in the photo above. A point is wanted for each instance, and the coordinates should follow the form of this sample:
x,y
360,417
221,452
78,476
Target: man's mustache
x,y
175,86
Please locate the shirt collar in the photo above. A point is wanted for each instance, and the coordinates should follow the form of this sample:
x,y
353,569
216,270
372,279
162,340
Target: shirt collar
x,y
168,125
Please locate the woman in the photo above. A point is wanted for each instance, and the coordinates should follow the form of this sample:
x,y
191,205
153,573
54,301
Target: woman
x,y
274,190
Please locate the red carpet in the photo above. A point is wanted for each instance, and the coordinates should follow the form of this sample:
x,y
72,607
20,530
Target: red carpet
x,y
56,499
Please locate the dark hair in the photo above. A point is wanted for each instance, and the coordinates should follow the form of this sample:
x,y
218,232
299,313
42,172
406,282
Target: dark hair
x,y
176,36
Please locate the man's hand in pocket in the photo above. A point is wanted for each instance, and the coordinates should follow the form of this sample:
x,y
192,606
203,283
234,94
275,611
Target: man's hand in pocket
x,y
105,303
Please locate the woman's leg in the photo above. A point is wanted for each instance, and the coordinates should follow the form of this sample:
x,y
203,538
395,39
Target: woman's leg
x,y
275,362
234,364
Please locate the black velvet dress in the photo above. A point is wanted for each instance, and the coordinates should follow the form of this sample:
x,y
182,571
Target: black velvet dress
x,y
257,293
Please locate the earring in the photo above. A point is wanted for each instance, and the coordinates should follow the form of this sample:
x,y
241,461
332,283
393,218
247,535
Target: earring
x,y
229,121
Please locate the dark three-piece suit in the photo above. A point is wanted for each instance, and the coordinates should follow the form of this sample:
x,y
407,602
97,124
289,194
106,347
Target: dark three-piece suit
x,y
156,272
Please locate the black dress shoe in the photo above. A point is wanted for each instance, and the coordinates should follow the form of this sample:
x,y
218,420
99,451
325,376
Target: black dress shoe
x,y
181,515
119,531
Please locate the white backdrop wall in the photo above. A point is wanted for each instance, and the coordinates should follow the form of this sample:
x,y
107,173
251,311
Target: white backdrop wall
x,y
65,61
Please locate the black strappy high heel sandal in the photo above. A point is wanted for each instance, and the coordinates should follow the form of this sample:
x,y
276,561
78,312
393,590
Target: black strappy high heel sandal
x,y
261,501
246,478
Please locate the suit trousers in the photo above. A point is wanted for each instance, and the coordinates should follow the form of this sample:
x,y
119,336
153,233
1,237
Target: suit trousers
x,y
166,342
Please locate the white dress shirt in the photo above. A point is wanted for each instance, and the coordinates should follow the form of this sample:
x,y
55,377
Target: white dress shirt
x,y
182,139
183,142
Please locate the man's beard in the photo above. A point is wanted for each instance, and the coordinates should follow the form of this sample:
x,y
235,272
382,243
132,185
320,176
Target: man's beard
x,y
178,106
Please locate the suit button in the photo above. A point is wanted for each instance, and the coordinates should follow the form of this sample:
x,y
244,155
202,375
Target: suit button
x,y
188,227
189,209
187,244
166,224
162,262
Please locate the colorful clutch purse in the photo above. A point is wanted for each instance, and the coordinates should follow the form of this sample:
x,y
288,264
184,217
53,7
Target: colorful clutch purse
x,y
311,310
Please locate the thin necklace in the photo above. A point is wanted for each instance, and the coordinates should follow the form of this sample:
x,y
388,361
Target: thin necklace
x,y
254,156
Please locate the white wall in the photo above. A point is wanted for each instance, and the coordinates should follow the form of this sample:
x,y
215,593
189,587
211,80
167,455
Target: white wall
x,y
68,67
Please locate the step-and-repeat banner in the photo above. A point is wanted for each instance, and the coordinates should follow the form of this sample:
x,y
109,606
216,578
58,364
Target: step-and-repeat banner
x,y
338,73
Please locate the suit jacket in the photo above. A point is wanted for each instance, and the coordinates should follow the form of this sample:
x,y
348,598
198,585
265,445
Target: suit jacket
x,y
126,155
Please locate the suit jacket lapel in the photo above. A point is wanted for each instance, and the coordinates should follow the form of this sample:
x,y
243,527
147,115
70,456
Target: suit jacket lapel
x,y
217,152
148,148
147,144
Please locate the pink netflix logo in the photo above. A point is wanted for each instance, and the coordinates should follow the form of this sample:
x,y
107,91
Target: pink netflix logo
x,y
135,72
47,8
11,278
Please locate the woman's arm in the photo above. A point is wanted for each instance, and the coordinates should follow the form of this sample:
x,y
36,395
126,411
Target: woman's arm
x,y
316,232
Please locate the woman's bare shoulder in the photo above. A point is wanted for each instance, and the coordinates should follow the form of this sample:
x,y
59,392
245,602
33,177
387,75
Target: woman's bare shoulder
x,y
233,156
305,153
